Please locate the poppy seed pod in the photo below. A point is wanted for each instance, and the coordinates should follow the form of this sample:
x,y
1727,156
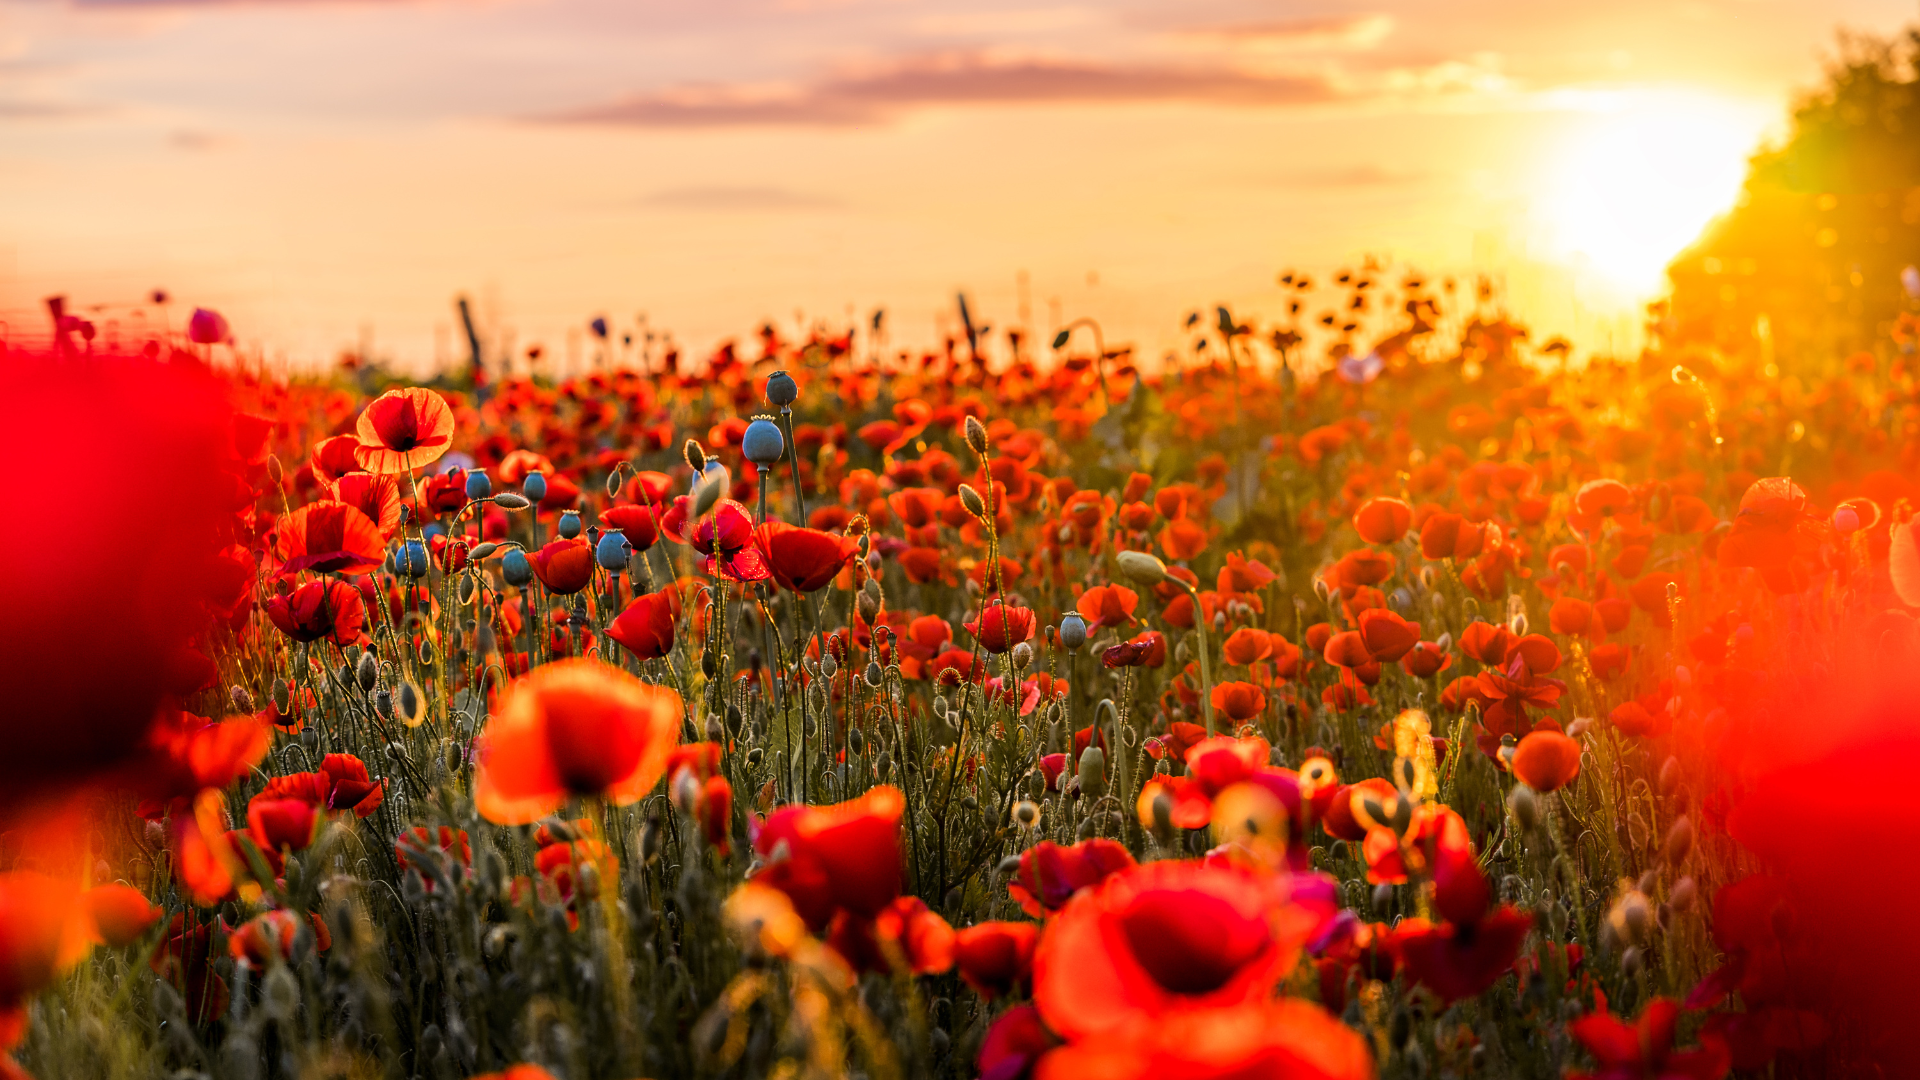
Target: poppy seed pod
x,y
763,444
515,568
534,487
1022,656
478,486
410,559
1073,631
1141,566
569,527
781,389
612,551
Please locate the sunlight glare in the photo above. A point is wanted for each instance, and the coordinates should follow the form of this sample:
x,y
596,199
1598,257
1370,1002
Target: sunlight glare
x,y
1637,178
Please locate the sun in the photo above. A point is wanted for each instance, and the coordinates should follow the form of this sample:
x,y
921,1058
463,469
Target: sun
x,y
1637,175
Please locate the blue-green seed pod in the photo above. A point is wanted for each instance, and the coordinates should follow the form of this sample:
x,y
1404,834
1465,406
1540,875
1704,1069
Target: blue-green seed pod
x,y
515,568
411,560
781,389
763,444
569,525
612,551
534,486
478,486
1073,630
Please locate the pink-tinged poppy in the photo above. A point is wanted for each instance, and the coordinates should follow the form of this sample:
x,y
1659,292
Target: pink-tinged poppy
x,y
328,538
1458,962
803,560
1644,1048
1166,937
564,566
1382,520
121,914
638,524
1002,626
996,957
573,728
725,536
1050,875
1386,635
833,858
1239,701
645,627
1285,1037
403,430
906,937
330,610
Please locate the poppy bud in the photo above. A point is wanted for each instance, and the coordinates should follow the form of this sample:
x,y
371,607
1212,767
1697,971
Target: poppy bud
x,y
612,551
1092,773
710,487
829,666
206,327
1525,807
1383,903
1026,813
781,389
976,435
696,458
1632,960
410,559
1631,918
569,527
1679,841
478,486
367,671
1669,776
408,705
1143,567
873,675
970,500
1073,630
763,444
1022,656
1682,895
534,487
239,698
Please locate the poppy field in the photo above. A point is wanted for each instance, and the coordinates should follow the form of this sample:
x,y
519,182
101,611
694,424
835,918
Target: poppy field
x,y
1448,706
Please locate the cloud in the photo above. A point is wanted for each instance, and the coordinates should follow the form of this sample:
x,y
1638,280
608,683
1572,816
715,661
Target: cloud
x,y
737,199
1338,33
951,79
46,110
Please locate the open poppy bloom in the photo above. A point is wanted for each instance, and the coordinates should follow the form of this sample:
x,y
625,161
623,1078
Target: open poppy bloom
x,y
645,627
1107,605
1239,701
1284,1037
832,858
1382,520
1002,626
341,783
573,727
274,824
1146,649
1247,645
564,566
1644,1048
402,430
639,524
329,538
1386,635
45,931
906,936
1050,875
378,497
121,914
1459,961
1164,938
802,560
1546,760
330,610
726,538
266,939
996,957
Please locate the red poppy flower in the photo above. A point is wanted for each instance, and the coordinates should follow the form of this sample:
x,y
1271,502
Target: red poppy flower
x,y
403,430
1163,938
639,524
906,936
1457,961
1002,626
265,939
645,627
1339,820
1347,649
419,840
1382,520
1570,616
923,564
335,457
332,610
1546,760
183,960
832,858
281,823
1450,536
1386,635
1538,652
1487,642
186,753
1050,875
996,957
1247,645
1285,1037
45,931
564,566
1426,659
328,537
120,914
1146,649
1108,605
378,497
1633,718
803,560
1239,701
1183,539
726,538
1644,1048
573,727
1360,568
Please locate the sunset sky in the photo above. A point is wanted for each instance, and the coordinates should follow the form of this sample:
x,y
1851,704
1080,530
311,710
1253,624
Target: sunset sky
x,y
327,172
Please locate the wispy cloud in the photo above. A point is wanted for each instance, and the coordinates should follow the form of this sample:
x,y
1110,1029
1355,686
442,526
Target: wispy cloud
x,y
737,199
1293,35
949,79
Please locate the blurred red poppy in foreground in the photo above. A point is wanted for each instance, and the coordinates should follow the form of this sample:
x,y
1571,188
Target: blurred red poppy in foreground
x,y
1278,1038
1050,875
43,931
573,727
833,858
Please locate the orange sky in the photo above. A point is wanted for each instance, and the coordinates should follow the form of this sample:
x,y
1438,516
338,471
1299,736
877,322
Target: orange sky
x,y
331,172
